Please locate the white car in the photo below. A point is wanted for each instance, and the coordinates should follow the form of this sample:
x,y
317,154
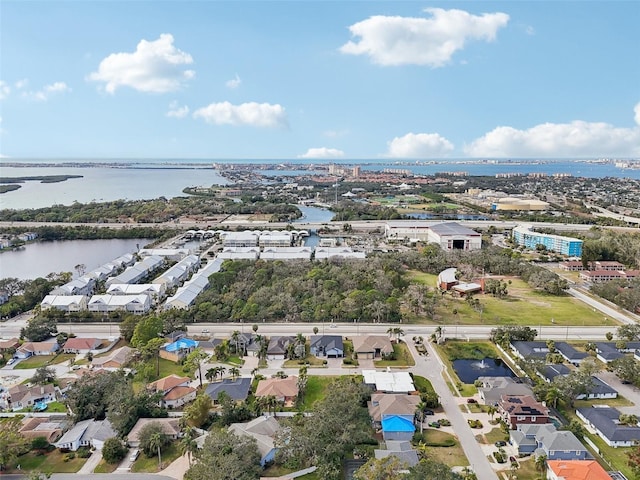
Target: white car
x,y
11,361
134,455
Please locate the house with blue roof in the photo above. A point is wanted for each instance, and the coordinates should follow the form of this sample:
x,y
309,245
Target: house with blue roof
x,y
179,349
395,427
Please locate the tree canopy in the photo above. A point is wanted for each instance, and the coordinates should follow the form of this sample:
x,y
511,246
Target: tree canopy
x,y
226,456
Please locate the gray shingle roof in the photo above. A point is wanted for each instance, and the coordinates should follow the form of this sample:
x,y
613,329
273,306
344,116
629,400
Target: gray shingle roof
x,y
237,389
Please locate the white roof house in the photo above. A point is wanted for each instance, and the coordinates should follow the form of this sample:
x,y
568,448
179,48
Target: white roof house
x,y
185,296
239,254
276,239
154,290
324,253
179,272
286,253
111,303
138,271
390,382
240,239
79,286
66,303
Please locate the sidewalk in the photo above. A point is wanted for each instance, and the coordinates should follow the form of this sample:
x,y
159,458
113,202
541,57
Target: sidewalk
x,y
91,463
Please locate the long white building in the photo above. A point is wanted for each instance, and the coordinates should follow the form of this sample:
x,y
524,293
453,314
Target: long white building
x,y
449,235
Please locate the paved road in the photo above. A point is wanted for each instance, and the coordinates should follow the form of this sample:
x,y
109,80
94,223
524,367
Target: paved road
x,y
621,317
431,367
223,330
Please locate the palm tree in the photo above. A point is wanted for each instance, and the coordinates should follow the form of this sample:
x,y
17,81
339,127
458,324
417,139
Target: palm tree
x,y
541,464
254,327
271,402
221,371
552,396
491,410
211,374
188,445
419,415
234,372
155,442
255,371
315,330
235,339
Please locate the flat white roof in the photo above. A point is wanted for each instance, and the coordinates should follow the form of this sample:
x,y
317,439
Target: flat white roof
x,y
400,382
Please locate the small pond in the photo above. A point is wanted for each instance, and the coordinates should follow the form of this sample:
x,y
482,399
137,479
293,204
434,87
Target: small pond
x,y
468,371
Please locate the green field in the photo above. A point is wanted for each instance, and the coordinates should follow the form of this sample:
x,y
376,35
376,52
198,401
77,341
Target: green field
x,y
150,464
316,389
51,462
522,306
452,456
403,357
37,361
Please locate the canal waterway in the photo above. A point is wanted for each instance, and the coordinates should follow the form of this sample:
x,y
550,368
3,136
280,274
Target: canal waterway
x,y
41,258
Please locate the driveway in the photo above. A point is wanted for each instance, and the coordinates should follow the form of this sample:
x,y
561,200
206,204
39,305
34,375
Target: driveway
x,y
629,392
91,463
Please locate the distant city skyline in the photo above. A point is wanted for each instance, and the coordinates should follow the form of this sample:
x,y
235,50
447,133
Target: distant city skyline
x,y
311,79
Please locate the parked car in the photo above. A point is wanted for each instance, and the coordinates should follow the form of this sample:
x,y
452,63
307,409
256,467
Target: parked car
x,y
206,330
471,400
500,443
444,422
428,412
134,455
434,424
11,361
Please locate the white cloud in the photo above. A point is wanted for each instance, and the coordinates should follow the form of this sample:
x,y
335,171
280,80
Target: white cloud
x,y
156,66
322,152
234,82
575,139
419,145
176,111
5,90
48,91
251,114
22,83
393,40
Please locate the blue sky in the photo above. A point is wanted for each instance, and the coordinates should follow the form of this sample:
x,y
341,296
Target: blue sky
x,y
319,79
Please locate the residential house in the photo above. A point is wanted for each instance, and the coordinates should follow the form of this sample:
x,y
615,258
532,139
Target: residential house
x,y
178,350
175,390
28,349
209,346
278,347
79,286
598,389
554,370
263,429
402,450
516,409
605,422
372,346
284,389
546,440
384,405
81,345
87,433
170,427
34,427
493,388
138,304
20,396
389,382
528,350
570,354
9,345
330,346
155,291
576,470
396,427
607,352
114,360
64,303
235,388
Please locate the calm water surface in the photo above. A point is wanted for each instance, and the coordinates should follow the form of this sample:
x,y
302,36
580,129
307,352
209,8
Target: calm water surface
x,y
102,185
469,370
41,258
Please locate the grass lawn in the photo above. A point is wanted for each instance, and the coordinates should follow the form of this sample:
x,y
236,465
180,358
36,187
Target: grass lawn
x,y
167,367
55,407
403,357
104,467
312,361
52,462
423,385
150,464
493,436
234,361
452,456
316,389
526,470
522,306
37,361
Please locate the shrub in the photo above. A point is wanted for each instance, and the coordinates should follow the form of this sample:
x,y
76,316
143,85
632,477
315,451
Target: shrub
x,y
69,456
499,457
113,451
39,443
83,452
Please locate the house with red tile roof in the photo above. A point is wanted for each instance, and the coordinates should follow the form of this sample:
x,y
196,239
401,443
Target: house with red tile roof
x,y
576,470
284,389
81,345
